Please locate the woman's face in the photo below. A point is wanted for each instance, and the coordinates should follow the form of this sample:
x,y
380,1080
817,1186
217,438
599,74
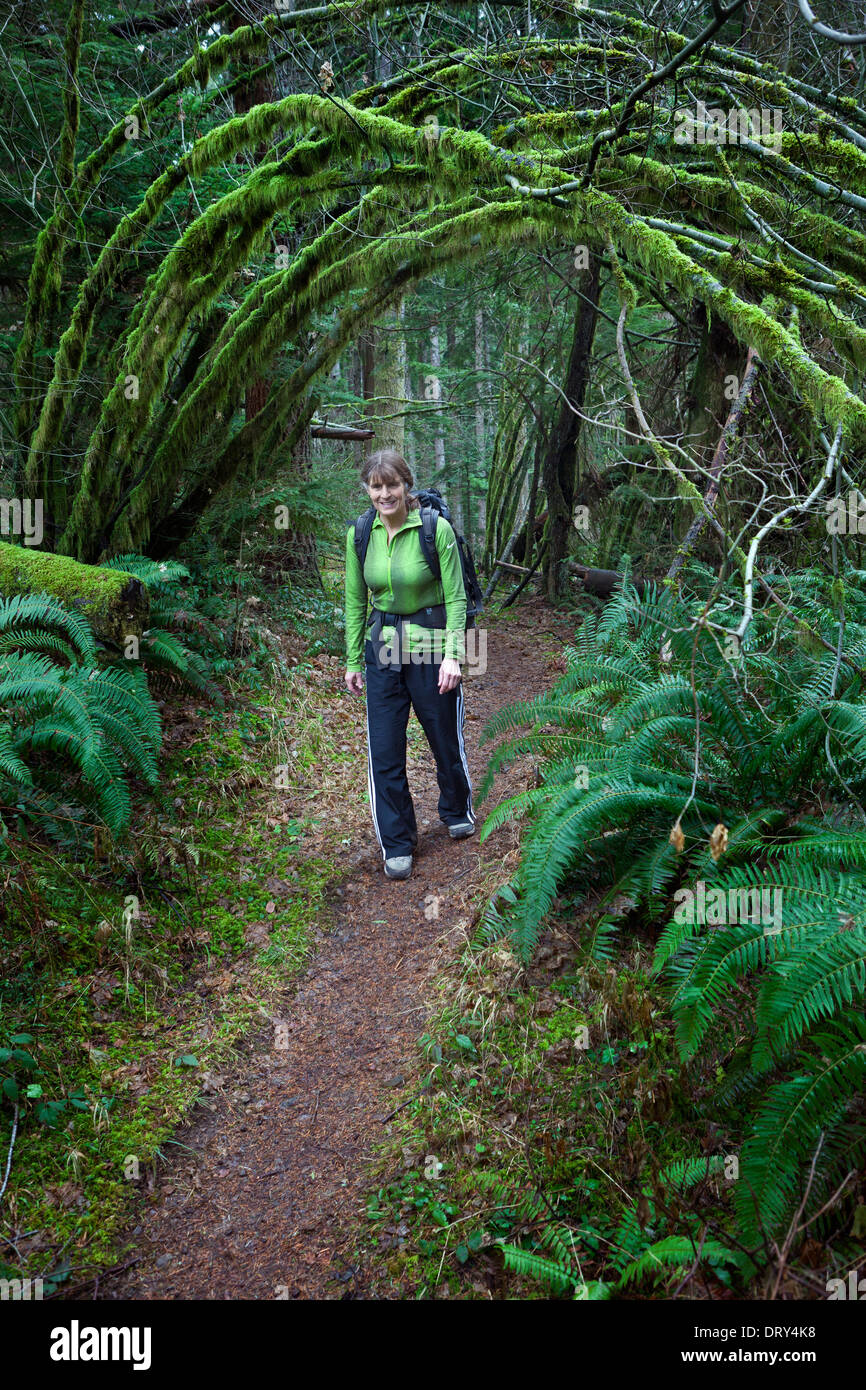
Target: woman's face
x,y
389,498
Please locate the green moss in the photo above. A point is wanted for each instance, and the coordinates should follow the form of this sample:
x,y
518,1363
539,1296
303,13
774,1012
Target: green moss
x,y
113,602
830,399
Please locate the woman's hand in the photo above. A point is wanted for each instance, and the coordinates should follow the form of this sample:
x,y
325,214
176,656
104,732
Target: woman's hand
x,y
355,682
449,675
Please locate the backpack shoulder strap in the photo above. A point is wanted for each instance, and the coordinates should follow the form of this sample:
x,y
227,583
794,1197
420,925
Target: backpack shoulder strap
x,y
427,539
470,576
363,527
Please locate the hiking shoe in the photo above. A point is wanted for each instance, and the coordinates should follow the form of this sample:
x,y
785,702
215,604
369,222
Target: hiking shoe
x,y
400,867
462,830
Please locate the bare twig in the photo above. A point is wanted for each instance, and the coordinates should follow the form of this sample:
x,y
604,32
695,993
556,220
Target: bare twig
x,y
748,581
793,1228
720,457
824,29
11,1147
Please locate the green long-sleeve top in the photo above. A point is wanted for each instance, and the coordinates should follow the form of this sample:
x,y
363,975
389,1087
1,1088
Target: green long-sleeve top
x,y
400,581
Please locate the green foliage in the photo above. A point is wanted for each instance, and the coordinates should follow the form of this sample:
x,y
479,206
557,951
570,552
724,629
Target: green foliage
x,y
651,730
653,738
796,992
70,731
162,652
639,1252
153,276
22,1082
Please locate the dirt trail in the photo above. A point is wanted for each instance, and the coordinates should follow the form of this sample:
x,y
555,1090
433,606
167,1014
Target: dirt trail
x,y
264,1200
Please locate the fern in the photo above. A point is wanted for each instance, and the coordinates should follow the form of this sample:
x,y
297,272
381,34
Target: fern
x,y
675,740
677,1253
638,1255
162,653
61,714
805,1131
546,1271
37,622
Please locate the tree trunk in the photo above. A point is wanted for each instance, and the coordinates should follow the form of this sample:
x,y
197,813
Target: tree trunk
x,y
356,385
248,94
480,432
391,364
367,358
533,500
433,392
560,468
719,462
716,368
300,547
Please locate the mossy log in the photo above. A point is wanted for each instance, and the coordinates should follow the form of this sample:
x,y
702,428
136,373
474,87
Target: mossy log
x,y
115,603
602,582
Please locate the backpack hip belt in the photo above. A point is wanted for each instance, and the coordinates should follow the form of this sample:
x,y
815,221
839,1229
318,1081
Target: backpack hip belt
x,y
435,616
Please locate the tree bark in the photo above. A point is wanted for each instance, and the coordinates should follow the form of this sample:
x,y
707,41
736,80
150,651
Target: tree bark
x,y
434,387
480,424
391,363
720,457
367,358
718,361
601,582
559,469
247,94
356,385
300,546
340,432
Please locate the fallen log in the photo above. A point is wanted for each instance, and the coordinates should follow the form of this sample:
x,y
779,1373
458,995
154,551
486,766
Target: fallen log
x,y
601,582
340,432
115,604
512,569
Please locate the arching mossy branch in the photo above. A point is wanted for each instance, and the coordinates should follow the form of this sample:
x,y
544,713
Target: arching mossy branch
x,y
404,258
828,396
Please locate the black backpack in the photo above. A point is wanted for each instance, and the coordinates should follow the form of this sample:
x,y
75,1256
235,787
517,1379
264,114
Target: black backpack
x,y
432,505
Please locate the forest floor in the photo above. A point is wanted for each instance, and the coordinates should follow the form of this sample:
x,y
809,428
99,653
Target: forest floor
x,y
267,1197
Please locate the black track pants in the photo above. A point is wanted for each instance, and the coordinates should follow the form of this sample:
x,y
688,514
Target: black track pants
x,y
391,691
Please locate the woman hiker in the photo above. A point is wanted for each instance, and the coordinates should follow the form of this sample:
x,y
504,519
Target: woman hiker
x,y
407,660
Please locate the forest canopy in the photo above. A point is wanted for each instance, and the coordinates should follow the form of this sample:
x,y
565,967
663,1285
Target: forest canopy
x,y
243,214
598,271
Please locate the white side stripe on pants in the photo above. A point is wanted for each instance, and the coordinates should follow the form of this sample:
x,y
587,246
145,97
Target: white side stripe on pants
x,y
371,786
461,713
